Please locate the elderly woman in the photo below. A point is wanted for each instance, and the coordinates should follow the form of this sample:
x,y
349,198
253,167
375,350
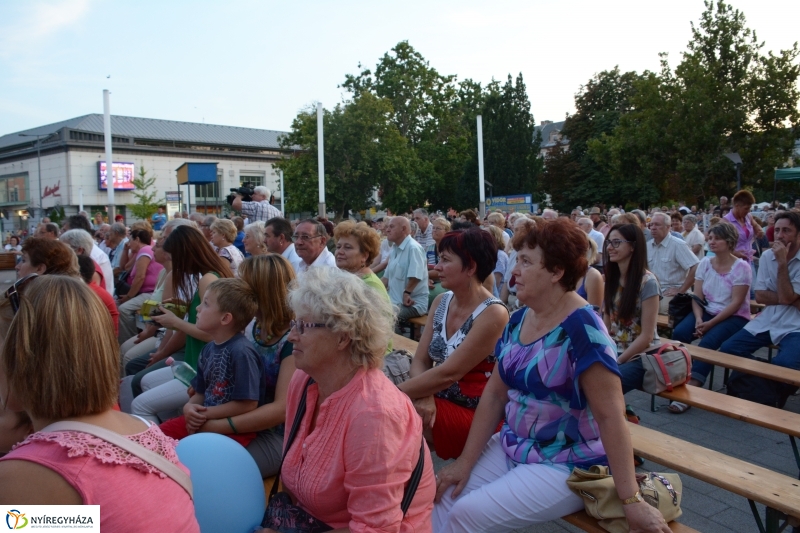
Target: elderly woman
x,y
693,236
372,436
440,227
223,233
255,239
459,338
357,246
556,368
45,256
58,331
723,281
269,276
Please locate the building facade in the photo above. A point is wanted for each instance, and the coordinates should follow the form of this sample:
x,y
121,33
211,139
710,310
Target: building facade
x,y
70,153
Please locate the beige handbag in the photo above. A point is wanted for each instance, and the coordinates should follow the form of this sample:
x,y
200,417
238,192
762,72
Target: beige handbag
x,y
669,367
596,487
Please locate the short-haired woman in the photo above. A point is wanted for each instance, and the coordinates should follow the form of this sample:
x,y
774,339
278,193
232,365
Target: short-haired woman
x,y
455,355
557,386
357,246
254,239
45,256
371,436
59,365
142,280
723,281
270,277
440,228
223,233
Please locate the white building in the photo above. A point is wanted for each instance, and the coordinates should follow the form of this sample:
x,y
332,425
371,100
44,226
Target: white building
x,y
71,150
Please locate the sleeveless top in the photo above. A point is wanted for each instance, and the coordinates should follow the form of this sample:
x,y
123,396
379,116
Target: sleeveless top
x,y
121,483
467,391
582,289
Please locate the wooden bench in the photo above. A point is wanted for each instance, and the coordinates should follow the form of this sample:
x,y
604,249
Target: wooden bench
x,y
417,323
400,342
763,416
778,492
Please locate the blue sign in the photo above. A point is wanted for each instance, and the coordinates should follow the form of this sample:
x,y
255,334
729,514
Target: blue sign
x,y
518,202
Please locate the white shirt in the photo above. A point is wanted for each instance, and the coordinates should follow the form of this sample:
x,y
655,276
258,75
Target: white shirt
x,y
695,237
325,258
779,320
598,238
290,255
670,261
101,259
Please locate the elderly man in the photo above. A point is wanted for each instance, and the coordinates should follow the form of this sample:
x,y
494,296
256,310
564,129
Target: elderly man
x,y
99,256
205,227
47,230
102,233
259,208
598,222
694,237
278,238
586,225
424,233
777,286
407,274
310,243
116,240
82,243
670,259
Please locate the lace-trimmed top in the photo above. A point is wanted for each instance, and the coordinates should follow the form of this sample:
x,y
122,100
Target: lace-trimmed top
x,y
79,444
467,391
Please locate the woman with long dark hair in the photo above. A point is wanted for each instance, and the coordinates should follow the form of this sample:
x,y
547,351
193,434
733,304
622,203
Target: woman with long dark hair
x,y
632,294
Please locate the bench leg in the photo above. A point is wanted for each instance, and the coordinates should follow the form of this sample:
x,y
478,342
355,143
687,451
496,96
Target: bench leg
x,y
796,452
710,378
653,407
773,519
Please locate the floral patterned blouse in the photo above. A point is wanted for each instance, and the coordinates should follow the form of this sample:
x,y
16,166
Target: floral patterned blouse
x,y
625,332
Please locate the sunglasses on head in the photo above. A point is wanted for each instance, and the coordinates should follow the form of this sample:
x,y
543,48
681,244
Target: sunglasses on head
x,y
13,291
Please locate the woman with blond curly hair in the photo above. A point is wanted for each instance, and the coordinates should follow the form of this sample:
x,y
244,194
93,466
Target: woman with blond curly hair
x,y
362,431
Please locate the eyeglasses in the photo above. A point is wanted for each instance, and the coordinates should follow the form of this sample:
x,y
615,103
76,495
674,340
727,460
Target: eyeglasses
x,y
614,243
13,292
301,326
302,237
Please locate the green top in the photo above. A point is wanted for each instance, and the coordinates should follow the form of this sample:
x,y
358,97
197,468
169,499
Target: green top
x,y
194,346
375,282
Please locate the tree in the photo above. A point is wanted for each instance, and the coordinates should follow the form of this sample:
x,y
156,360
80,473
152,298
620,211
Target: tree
x,y
145,195
364,151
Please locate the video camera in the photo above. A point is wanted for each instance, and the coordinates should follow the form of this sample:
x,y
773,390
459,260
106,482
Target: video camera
x,y
246,191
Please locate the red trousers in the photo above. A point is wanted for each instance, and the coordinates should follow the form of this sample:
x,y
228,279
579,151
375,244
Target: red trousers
x,y
176,428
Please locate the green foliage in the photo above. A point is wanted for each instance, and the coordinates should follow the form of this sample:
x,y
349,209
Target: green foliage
x,y
364,151
146,204
56,214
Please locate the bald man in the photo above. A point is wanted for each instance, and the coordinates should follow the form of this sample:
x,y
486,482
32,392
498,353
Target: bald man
x,y
406,276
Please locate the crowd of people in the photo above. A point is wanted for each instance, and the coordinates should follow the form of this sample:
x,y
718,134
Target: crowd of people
x,y
534,323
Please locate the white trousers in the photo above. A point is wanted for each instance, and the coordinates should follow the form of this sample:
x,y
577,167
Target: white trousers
x,y
498,498
162,393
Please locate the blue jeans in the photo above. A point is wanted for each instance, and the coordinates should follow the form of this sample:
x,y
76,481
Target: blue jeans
x,y
745,343
632,375
712,340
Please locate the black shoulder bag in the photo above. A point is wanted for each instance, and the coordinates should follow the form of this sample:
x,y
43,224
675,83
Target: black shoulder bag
x,y
283,516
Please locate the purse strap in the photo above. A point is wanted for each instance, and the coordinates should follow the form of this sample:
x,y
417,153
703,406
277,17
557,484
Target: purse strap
x,y
148,456
662,366
413,482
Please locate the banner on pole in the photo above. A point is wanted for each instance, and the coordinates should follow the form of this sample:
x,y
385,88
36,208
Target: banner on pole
x,y
522,203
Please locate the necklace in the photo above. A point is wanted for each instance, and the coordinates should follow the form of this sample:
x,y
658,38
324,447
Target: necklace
x,y
257,335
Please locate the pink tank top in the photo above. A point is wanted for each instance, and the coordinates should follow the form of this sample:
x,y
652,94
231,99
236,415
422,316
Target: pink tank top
x,y
127,489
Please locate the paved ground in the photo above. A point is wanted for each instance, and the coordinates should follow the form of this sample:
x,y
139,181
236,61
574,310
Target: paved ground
x,y
707,508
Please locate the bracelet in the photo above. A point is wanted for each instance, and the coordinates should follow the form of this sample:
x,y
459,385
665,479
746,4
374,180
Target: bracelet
x,y
407,292
232,426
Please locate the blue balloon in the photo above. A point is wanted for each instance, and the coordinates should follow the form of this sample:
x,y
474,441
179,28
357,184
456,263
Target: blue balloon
x,y
228,489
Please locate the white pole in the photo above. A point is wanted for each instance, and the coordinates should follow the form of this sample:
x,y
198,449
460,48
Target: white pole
x,y
481,190
321,161
283,196
109,159
80,198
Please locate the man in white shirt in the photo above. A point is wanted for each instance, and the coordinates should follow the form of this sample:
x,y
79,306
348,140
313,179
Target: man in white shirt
x,y
586,225
99,256
310,243
278,238
424,234
259,208
694,237
406,277
670,259
777,286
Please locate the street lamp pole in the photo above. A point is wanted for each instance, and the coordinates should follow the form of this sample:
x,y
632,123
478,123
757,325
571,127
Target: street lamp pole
x,y
736,159
39,163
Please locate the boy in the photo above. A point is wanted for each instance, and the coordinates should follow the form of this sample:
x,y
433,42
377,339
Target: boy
x,y
229,372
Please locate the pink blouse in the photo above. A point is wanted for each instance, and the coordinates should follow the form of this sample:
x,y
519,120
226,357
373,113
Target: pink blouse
x,y
122,485
352,469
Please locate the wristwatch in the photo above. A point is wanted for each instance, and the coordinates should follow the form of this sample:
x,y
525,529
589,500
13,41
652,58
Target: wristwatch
x,y
636,498
407,292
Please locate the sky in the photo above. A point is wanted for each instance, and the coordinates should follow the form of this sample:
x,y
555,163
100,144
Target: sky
x,y
257,63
